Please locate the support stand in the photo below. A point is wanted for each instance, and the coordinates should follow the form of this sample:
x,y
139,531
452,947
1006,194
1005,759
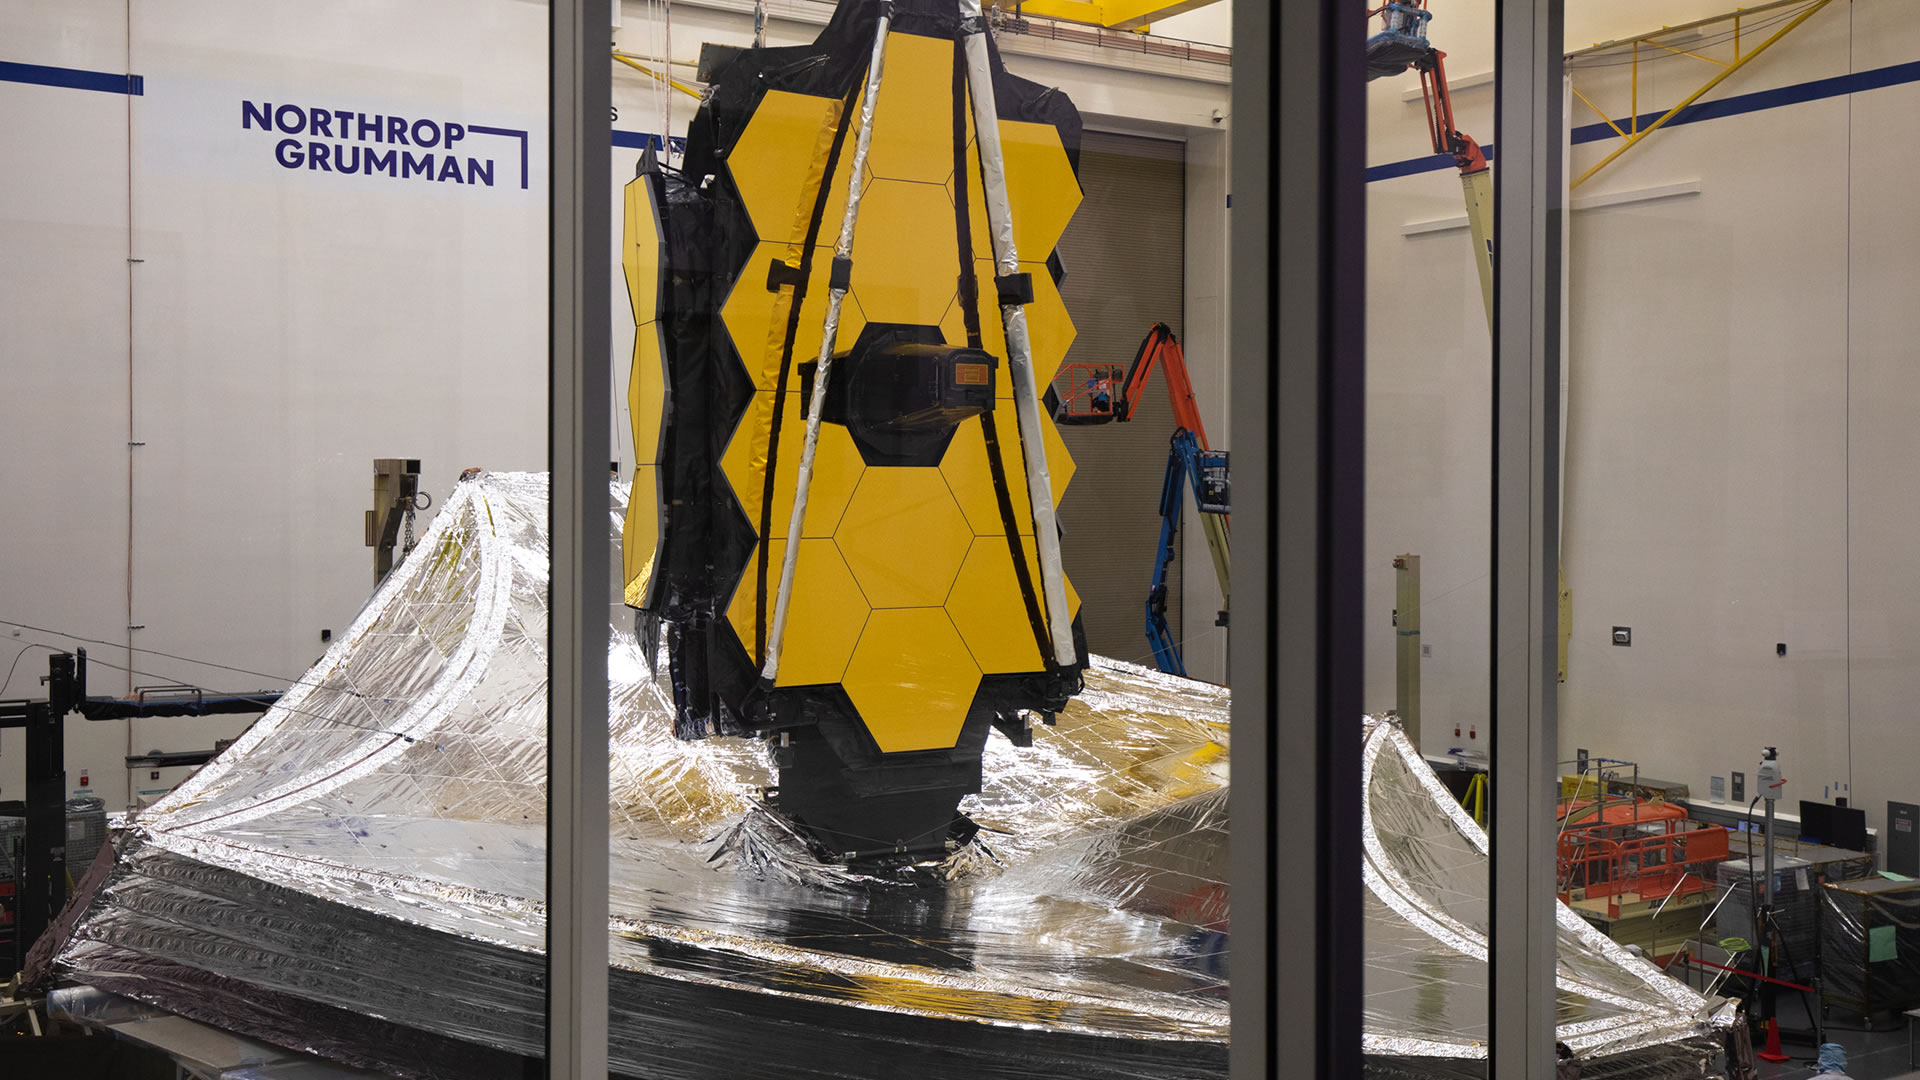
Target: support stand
x,y
43,861
1767,933
42,889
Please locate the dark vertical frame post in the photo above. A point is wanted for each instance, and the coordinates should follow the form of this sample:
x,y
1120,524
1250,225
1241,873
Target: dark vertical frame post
x,y
579,402
42,890
1298,239
1528,206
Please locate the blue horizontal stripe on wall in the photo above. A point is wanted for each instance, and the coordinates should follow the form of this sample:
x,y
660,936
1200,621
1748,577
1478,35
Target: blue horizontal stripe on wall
x,y
639,140
1758,101
1429,163
105,82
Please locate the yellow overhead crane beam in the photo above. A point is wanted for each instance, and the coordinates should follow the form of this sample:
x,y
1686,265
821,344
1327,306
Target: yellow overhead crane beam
x,y
1110,14
634,63
1653,41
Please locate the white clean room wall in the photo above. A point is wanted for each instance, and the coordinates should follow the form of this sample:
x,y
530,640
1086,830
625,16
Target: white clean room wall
x,y
63,337
279,328
1882,389
1738,400
1212,25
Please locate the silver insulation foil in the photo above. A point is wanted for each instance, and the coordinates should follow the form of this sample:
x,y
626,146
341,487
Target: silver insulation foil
x,y
1425,863
361,876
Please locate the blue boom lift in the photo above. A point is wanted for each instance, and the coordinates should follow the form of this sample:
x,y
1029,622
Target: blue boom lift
x,y
1103,393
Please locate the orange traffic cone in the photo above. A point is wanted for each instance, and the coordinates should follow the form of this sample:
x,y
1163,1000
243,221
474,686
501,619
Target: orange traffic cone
x,y
1772,1051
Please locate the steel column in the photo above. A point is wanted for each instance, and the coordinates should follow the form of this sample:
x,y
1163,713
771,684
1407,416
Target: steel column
x,y
580,398
1298,237
1529,203
42,890
1406,644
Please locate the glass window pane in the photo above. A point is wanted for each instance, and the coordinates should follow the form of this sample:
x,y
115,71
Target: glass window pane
x,y
984,800
1721,407
1429,546
920,748
274,283
1730,468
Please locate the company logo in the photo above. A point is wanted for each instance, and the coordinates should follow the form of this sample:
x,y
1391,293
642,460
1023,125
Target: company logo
x,y
355,143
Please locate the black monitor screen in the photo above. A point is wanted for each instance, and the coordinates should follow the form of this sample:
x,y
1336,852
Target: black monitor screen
x,y
1816,821
1837,826
1849,828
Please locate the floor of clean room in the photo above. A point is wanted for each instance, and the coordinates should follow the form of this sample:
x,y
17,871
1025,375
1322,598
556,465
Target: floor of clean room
x,y
1879,1054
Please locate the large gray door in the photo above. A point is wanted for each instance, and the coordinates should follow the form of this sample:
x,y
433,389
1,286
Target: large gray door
x,y
1125,256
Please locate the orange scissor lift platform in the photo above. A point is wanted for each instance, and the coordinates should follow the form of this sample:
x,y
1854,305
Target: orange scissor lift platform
x,y
1632,863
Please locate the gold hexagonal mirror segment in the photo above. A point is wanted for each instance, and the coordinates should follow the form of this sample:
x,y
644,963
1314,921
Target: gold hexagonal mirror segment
x,y
903,537
912,679
825,620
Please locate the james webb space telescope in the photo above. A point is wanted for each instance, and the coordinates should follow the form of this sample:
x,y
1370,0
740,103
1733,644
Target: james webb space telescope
x,y
843,509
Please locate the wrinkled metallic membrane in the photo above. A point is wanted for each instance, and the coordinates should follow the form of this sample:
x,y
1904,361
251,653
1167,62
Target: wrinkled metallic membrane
x,y
1427,919
403,780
